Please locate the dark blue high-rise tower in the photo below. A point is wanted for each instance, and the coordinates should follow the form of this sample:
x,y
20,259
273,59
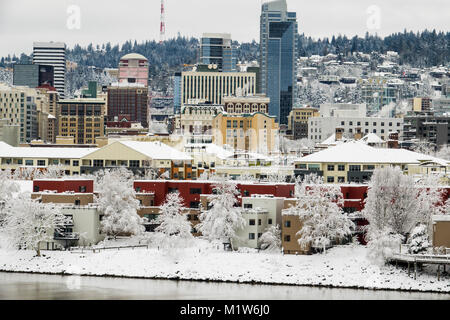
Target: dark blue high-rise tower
x,y
278,57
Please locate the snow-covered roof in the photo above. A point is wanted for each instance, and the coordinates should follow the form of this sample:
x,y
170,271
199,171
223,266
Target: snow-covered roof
x,y
156,150
212,148
441,217
7,151
372,138
359,152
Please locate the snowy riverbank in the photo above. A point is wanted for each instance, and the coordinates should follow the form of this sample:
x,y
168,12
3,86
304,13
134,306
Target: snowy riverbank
x,y
344,266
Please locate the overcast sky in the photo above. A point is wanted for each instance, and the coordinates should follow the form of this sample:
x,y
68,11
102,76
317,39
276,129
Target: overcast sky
x,y
25,21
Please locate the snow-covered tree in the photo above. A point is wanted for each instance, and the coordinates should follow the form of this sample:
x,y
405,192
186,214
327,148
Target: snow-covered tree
x,y
223,219
444,153
419,240
7,186
392,209
173,223
117,201
271,239
391,201
28,223
429,199
319,208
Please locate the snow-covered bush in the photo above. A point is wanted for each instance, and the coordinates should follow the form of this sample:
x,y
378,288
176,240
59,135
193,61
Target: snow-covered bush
x,y
382,244
271,239
173,223
319,208
117,201
418,241
28,223
223,219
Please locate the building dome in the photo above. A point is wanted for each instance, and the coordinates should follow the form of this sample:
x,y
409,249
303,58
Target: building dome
x,y
134,56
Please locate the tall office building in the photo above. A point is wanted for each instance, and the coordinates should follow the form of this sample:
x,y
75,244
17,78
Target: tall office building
x,y
217,48
278,57
130,100
33,75
52,54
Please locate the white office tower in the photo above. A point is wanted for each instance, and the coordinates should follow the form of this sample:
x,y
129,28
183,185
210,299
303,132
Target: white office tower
x,y
52,54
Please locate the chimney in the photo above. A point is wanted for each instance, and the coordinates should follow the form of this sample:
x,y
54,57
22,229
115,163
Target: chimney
x,y
339,133
393,140
358,134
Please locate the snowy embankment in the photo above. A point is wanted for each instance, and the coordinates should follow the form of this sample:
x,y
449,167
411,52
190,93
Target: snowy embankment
x,y
344,266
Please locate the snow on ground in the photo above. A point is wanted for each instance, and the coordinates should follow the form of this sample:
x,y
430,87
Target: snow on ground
x,y
342,266
25,185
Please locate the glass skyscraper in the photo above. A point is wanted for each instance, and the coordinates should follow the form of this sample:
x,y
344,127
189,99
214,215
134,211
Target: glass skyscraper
x,y
217,48
278,57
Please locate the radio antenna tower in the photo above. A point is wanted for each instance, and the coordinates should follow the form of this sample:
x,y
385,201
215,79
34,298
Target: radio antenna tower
x,y
162,32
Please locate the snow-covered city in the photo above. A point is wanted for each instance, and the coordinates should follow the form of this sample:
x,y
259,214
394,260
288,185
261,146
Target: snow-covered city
x,y
309,164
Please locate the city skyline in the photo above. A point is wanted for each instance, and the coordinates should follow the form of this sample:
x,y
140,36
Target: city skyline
x,y
20,20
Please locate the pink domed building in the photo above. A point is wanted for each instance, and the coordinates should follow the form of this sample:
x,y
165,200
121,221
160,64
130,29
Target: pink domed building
x,y
133,68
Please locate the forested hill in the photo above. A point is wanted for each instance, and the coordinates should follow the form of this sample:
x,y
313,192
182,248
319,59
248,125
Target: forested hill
x,y
424,49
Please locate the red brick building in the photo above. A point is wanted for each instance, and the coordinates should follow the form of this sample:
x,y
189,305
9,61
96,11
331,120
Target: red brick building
x,y
60,185
191,190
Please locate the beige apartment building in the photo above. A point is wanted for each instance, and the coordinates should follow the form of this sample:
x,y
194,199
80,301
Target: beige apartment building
x,y
254,132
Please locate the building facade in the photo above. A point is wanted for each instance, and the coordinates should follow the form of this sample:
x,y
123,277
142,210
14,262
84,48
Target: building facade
x,y
33,75
321,128
246,104
18,104
253,132
217,48
278,57
213,86
52,54
133,68
82,119
129,100
298,121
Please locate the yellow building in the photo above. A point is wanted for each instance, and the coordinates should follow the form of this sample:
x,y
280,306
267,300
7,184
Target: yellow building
x,y
254,132
139,157
298,121
82,119
355,161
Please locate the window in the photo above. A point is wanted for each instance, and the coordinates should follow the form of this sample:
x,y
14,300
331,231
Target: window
x,y
269,221
29,162
41,163
98,163
341,179
341,167
77,202
330,179
82,188
248,205
36,188
134,163
246,193
287,223
194,204
171,190
354,168
330,167
287,238
259,222
196,191
251,236
251,222
75,163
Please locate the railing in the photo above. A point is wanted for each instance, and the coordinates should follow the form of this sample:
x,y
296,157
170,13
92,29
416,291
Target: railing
x,y
66,236
98,249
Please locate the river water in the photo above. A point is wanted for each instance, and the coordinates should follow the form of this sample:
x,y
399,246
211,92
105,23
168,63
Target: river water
x,y
49,287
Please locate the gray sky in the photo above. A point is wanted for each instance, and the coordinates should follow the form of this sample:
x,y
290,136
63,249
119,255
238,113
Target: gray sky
x,y
25,21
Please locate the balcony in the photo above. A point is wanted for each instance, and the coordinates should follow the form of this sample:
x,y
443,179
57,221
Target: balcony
x,y
66,236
